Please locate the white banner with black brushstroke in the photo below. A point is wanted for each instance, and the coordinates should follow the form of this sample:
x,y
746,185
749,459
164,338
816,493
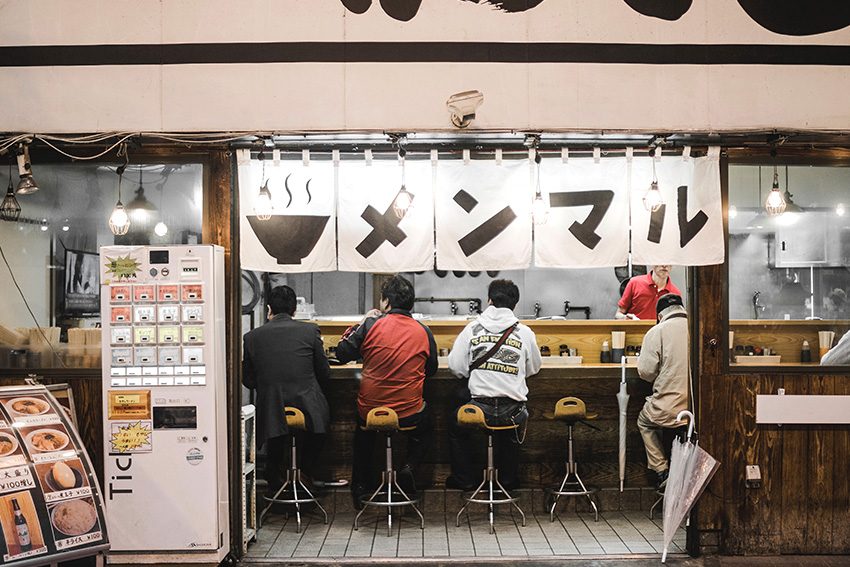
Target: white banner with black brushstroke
x,y
588,218
687,229
372,236
300,234
484,220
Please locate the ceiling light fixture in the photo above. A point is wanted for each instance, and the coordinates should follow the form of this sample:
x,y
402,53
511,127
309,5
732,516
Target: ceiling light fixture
x,y
44,225
27,184
65,226
539,208
10,210
263,203
839,210
733,212
119,220
652,200
141,210
403,203
775,203
161,229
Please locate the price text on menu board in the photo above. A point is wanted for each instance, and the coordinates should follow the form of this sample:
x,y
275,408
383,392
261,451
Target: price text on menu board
x,y
48,504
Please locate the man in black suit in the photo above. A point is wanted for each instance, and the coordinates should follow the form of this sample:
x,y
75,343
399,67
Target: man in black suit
x,y
284,360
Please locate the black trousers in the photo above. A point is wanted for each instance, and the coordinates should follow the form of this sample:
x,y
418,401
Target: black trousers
x,y
418,442
278,450
497,411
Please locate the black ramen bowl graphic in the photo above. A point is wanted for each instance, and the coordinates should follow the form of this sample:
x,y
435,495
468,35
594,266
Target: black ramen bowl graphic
x,y
289,238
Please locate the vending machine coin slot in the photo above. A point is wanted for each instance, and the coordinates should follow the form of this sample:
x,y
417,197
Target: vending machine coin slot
x,y
143,293
120,314
168,292
119,293
143,313
144,335
121,335
122,356
168,335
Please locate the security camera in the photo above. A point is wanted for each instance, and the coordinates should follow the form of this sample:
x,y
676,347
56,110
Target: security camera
x,y
462,107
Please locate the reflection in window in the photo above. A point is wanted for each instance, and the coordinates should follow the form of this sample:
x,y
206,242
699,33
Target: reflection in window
x,y
53,248
788,268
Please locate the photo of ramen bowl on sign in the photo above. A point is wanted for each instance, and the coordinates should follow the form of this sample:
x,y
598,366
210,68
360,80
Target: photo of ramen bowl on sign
x,y
8,444
27,406
46,440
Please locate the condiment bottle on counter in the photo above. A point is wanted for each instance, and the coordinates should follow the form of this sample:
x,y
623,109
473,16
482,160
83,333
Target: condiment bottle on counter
x,y
805,352
605,355
544,351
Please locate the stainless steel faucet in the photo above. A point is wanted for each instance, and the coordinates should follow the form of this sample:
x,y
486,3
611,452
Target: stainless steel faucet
x,y
453,307
536,309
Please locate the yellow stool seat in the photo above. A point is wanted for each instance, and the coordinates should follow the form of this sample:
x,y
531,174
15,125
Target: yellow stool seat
x,y
295,418
469,415
571,410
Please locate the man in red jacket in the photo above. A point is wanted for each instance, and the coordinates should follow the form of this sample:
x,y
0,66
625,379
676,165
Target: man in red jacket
x,y
398,354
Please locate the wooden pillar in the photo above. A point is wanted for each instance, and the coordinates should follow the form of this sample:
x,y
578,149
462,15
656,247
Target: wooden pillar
x,y
222,214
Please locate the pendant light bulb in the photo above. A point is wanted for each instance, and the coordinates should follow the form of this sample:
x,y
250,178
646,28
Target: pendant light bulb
x,y
839,210
160,229
775,203
263,203
403,204
539,209
733,212
119,220
10,210
27,184
652,198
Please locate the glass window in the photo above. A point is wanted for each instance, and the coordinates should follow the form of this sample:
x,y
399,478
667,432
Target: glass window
x,y
52,252
788,273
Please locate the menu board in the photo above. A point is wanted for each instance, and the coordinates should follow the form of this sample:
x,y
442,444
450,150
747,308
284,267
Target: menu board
x,y
50,502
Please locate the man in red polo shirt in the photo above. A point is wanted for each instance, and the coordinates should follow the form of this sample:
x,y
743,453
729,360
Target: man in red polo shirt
x,y
642,293
398,354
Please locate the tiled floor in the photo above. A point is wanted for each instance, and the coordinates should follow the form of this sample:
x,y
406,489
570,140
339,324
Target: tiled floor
x,y
571,534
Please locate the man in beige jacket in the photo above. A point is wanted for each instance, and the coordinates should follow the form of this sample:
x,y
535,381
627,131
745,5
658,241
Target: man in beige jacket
x,y
664,362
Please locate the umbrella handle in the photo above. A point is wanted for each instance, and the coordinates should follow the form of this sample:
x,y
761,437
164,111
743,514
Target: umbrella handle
x,y
690,422
623,370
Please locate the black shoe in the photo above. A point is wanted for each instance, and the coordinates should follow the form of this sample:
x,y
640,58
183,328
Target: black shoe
x,y
358,491
406,480
454,484
661,482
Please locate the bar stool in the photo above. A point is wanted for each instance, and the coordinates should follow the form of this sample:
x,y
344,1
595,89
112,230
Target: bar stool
x,y
571,410
389,493
293,485
470,415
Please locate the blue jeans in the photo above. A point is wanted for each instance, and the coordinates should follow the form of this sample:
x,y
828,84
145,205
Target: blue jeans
x,y
497,411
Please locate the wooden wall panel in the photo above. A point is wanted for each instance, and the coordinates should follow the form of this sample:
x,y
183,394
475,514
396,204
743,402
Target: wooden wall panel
x,y
819,518
841,478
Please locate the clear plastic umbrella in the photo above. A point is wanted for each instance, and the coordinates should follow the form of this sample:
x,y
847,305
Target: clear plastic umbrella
x,y
623,400
691,468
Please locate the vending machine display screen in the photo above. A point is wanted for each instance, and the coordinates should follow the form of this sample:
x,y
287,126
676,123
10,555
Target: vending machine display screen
x,y
159,256
175,417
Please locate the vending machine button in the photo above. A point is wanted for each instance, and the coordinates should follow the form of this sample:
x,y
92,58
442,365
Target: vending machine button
x,y
199,380
134,381
118,382
118,371
166,381
149,371
196,370
146,381
181,371
165,271
181,381
166,370
153,272
134,371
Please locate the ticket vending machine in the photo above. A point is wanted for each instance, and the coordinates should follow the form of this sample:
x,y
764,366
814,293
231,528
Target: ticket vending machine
x,y
164,411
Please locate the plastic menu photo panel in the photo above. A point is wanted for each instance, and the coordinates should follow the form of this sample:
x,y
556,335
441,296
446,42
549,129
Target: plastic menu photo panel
x,y
51,507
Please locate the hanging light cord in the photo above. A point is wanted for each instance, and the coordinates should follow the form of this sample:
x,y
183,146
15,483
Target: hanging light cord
x,y
23,297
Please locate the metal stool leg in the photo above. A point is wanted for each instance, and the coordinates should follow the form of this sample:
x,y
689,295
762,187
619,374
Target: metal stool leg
x,y
491,481
293,477
389,480
572,472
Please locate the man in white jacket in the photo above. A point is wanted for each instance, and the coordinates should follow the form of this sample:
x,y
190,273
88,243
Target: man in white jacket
x,y
663,361
496,385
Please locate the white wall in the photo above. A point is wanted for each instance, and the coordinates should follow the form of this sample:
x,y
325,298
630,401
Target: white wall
x,y
648,94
